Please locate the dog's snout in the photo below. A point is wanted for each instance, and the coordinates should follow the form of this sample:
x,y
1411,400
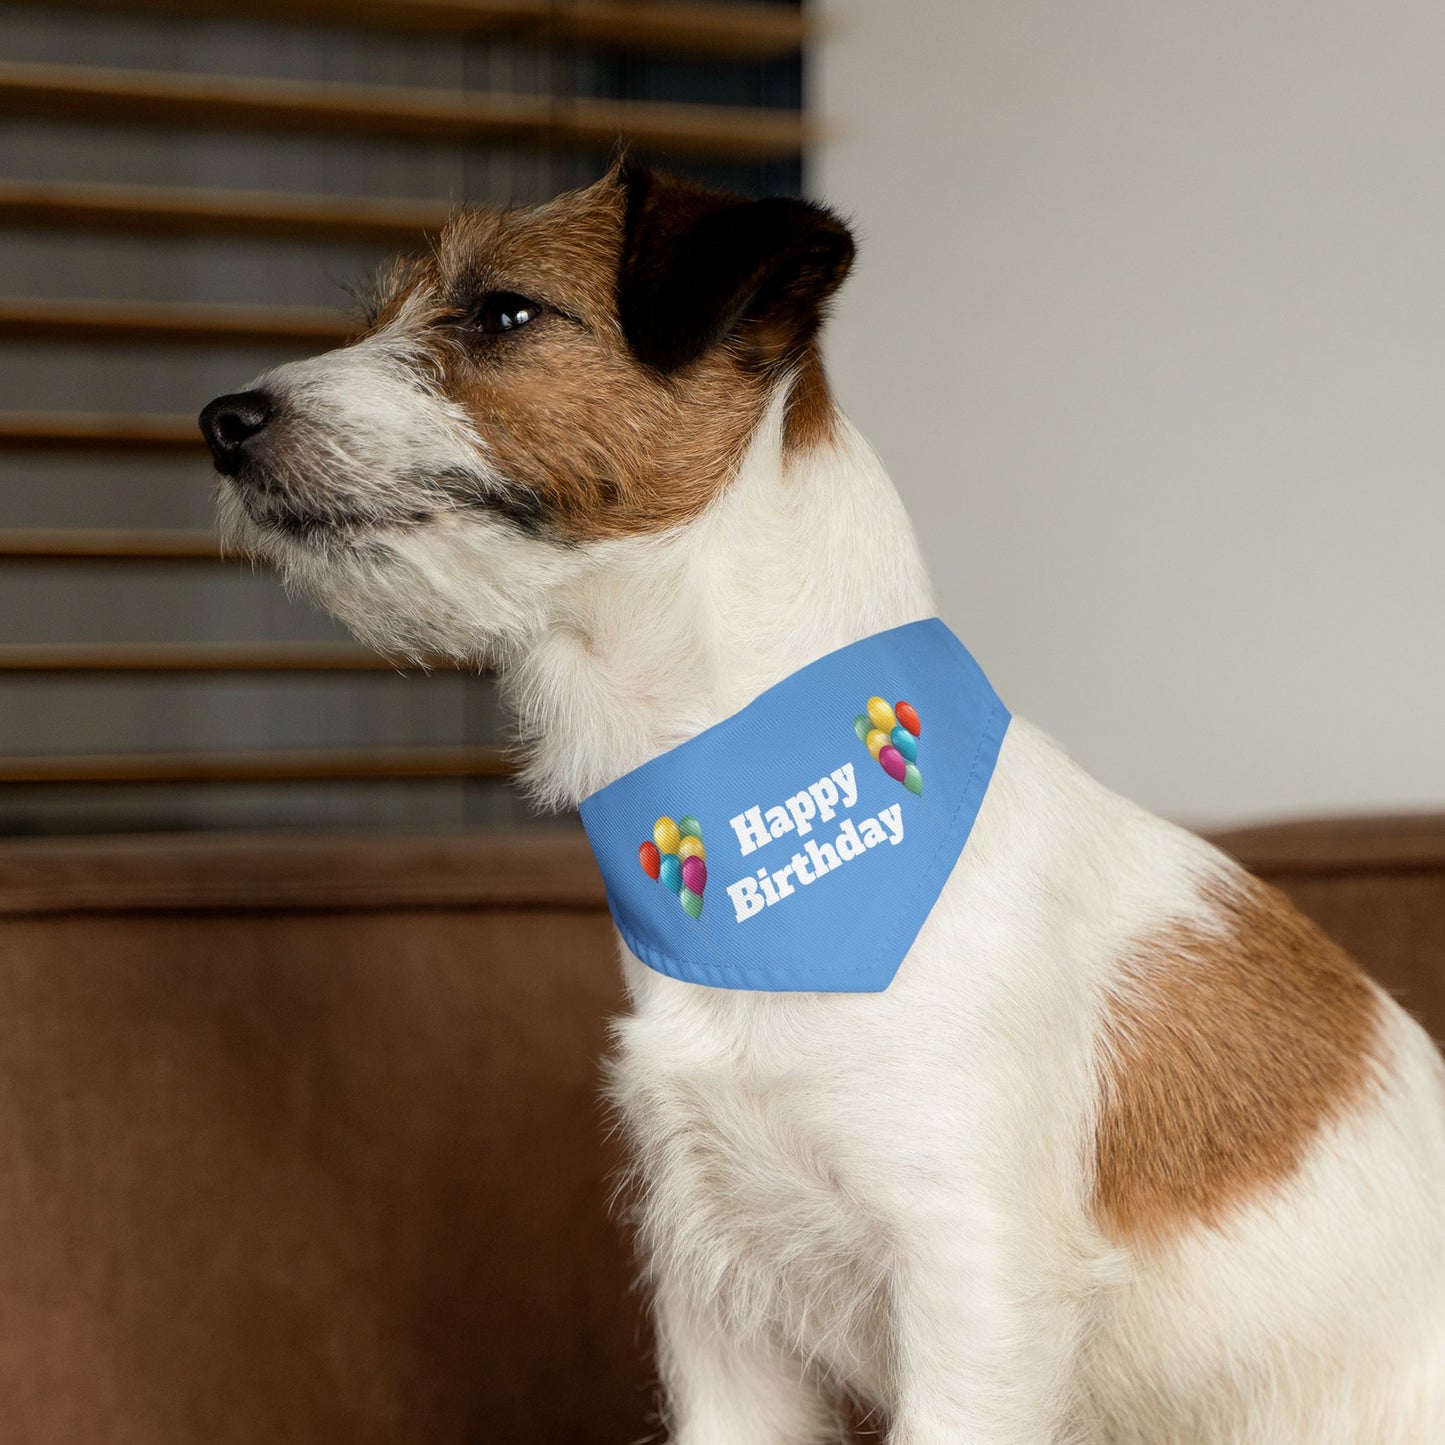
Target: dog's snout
x,y
229,422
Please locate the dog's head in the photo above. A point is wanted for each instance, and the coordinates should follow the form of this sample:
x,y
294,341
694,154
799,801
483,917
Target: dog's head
x,y
543,385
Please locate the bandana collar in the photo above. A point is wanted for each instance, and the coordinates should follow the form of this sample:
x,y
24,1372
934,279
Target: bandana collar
x,y
800,844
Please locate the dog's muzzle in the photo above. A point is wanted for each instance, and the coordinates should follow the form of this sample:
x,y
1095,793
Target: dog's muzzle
x,y
232,422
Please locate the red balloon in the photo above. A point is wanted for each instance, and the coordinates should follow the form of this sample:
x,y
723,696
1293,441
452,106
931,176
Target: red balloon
x,y
650,859
903,711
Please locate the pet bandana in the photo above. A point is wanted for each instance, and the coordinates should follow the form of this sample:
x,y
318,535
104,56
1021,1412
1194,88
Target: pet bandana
x,y
800,844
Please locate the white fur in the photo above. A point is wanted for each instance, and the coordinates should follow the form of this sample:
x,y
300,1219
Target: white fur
x,y
889,1194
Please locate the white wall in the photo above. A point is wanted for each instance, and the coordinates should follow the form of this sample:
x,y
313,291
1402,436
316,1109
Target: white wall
x,y
1149,324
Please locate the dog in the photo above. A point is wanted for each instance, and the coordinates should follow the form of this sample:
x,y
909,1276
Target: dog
x,y
1127,1152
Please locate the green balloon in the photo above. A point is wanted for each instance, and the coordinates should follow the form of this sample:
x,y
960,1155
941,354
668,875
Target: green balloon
x,y
862,727
691,902
913,779
689,827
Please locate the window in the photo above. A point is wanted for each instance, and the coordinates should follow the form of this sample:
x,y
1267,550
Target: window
x,y
185,193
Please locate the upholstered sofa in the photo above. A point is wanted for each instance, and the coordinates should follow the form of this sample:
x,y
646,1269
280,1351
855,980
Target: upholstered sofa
x,y
300,1138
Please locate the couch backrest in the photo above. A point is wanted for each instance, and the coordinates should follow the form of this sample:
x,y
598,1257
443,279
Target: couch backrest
x,y
302,1142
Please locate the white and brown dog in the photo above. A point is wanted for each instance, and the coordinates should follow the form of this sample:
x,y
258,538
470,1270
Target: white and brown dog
x,y
1127,1152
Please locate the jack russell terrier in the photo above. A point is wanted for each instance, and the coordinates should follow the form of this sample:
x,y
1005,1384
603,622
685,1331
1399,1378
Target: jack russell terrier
x,y
1112,1145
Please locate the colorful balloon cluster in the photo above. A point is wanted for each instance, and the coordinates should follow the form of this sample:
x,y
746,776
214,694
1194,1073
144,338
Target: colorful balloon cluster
x,y
677,859
891,734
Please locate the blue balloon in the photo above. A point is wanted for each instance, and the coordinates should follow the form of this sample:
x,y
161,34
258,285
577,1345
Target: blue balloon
x,y
905,742
670,872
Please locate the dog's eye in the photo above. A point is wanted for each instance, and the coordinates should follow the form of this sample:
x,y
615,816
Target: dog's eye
x,y
504,311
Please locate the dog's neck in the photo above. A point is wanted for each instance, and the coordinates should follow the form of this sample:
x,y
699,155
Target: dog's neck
x,y
803,553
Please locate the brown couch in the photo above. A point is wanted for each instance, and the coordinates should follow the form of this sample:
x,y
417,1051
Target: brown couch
x,y
302,1140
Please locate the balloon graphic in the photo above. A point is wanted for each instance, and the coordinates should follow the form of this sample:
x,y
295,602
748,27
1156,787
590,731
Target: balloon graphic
x,y
676,858
881,715
894,764
891,735
694,874
905,742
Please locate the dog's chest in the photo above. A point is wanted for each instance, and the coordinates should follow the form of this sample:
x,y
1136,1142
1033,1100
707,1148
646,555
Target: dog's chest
x,y
745,1186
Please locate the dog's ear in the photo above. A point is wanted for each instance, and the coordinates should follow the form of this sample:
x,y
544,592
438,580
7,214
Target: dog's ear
x,y
699,266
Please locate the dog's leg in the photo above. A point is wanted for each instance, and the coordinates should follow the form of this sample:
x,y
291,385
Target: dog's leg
x,y
985,1341
721,1388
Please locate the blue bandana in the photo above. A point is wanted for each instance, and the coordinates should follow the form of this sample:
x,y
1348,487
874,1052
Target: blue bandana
x,y
800,844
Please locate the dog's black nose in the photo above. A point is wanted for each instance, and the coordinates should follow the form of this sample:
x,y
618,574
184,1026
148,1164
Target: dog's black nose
x,y
229,422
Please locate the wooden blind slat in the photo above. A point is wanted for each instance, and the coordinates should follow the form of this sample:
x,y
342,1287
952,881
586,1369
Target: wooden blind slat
x,y
171,323
172,657
761,32
219,102
329,765
77,431
83,544
173,211
755,32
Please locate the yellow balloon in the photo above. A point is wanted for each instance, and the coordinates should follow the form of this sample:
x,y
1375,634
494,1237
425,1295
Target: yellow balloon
x,y
691,847
667,835
877,741
881,716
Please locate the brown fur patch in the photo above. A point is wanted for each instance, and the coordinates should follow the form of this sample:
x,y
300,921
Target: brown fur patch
x,y
811,415
1226,1053
604,444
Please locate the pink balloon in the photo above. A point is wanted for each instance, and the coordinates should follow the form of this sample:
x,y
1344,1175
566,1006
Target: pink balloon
x,y
694,874
894,763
